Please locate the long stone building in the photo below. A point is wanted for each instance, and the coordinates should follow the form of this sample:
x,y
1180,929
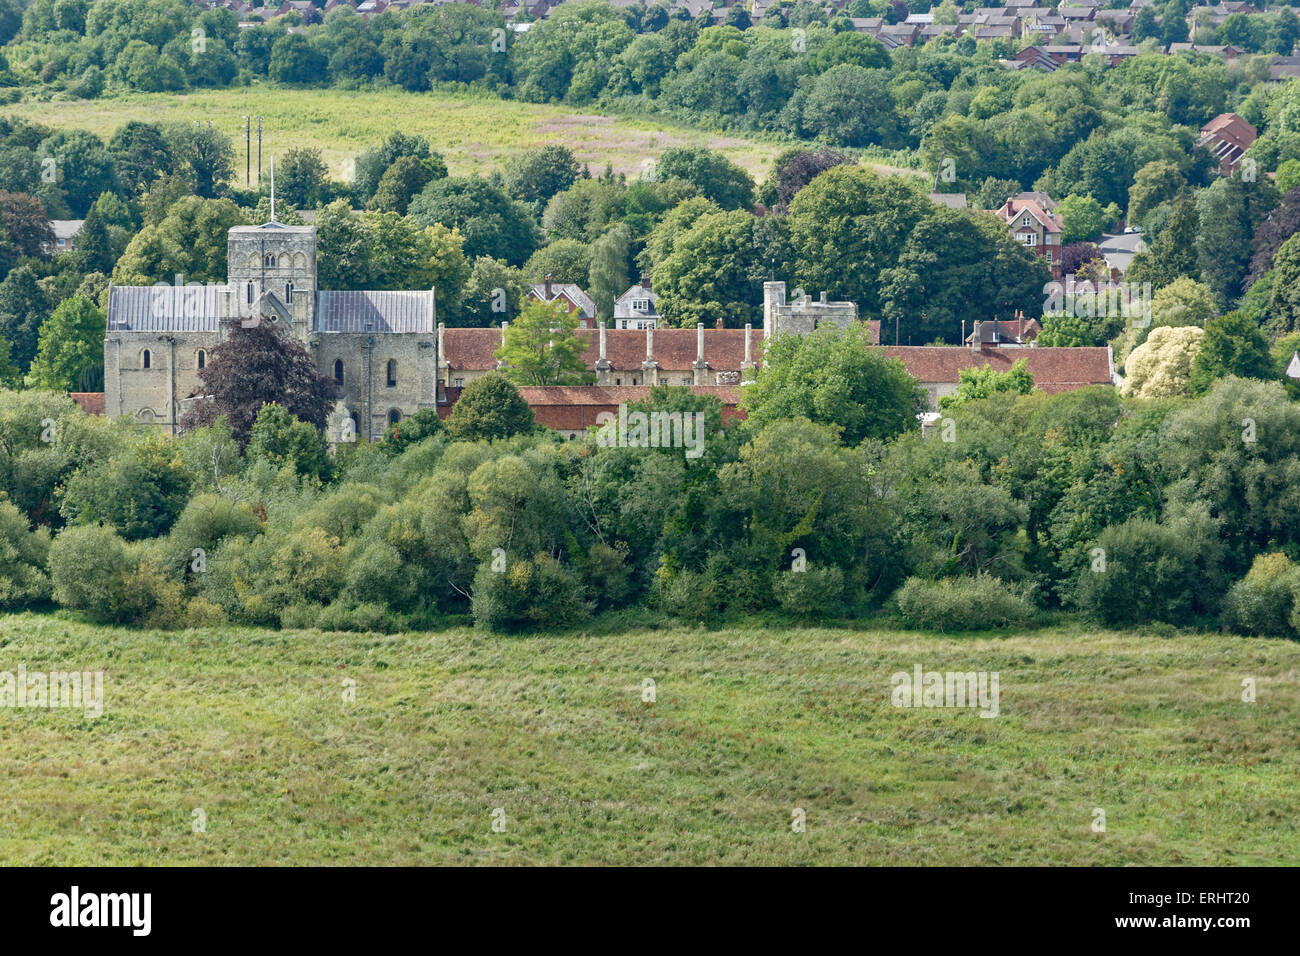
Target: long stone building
x,y
390,357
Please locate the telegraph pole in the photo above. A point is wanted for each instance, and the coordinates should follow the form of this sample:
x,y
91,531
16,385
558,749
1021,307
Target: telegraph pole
x,y
248,153
259,149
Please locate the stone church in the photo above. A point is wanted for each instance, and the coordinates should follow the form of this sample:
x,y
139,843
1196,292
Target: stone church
x,y
381,348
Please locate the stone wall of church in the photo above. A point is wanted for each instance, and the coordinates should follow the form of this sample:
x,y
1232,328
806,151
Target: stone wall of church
x,y
363,361
153,392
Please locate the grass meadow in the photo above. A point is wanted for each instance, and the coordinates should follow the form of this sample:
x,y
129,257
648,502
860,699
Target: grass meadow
x,y
475,133
252,727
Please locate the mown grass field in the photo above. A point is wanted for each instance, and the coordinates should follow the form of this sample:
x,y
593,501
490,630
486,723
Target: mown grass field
x,y
474,133
251,726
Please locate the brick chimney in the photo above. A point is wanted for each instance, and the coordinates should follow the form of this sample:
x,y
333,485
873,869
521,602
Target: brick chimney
x,y
548,287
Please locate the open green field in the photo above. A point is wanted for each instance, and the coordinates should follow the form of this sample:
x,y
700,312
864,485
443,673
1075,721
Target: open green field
x,y
474,134
252,727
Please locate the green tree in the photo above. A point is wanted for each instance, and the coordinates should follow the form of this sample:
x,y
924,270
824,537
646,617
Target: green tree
x,y
712,174
1172,254
301,177
538,174
71,347
1232,345
974,384
710,272
1284,303
489,407
608,274
564,260
294,60
834,377
847,227
1156,182
1083,219
139,494
492,223
401,182
542,348
204,154
284,440
190,241
94,252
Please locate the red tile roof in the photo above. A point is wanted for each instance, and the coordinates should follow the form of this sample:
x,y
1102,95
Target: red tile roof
x,y
92,403
674,349
471,349
1014,207
1054,369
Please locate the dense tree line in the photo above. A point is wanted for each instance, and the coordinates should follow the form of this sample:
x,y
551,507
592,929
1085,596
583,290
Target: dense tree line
x,y
1128,511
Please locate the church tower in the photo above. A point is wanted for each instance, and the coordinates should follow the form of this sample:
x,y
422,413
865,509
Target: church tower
x,y
271,272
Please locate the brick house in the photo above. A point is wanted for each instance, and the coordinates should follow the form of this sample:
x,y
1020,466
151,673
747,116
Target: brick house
x,y
1036,228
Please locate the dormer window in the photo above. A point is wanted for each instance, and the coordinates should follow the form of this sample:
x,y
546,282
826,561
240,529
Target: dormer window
x,y
641,305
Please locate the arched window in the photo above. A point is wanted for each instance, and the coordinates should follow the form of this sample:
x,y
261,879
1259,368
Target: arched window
x,y
269,261
394,416
203,359
392,373
288,293
250,293
146,359
338,371
145,416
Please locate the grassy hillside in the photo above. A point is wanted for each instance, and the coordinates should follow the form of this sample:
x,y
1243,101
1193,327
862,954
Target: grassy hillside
x,y
475,134
251,726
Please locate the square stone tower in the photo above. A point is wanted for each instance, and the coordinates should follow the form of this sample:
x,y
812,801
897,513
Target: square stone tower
x,y
271,269
803,314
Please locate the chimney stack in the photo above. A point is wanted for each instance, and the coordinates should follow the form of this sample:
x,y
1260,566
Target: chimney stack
x,y
645,282
699,342
602,341
548,287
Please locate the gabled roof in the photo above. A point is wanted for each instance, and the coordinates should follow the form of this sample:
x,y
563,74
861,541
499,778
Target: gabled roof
x,y
624,308
66,228
1013,209
1054,369
374,312
166,308
567,290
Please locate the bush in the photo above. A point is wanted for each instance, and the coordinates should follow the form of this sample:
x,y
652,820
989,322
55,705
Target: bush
x,y
977,603
528,594
95,571
23,557
1265,600
691,595
87,567
817,591
1142,571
